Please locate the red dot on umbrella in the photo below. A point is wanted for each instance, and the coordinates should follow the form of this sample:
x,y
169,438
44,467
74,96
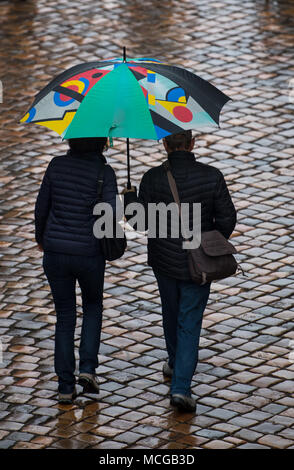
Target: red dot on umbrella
x,y
182,113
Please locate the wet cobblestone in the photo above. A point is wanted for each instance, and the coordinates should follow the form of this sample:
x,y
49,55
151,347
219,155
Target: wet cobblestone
x,y
244,381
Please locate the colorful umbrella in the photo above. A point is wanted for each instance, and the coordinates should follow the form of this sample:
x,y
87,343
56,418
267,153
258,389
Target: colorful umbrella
x,y
133,98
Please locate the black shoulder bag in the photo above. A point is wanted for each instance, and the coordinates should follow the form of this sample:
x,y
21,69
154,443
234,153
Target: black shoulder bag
x,y
112,248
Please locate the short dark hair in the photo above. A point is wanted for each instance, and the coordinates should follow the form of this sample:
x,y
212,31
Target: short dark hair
x,y
180,140
87,144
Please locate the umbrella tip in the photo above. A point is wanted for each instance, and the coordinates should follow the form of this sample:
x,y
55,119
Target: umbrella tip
x,y
124,53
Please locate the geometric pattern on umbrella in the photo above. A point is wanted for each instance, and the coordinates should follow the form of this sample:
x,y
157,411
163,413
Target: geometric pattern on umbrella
x,y
141,98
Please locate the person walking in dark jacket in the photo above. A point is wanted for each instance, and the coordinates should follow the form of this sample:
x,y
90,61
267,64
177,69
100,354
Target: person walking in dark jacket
x,y
64,232
183,301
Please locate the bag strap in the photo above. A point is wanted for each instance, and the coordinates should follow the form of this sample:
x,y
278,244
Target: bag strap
x,y
174,191
100,182
172,184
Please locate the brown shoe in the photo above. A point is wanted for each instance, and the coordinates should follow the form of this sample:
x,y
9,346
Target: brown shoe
x,y
167,370
89,383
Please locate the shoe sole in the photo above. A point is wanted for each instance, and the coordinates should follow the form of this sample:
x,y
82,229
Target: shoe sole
x,y
87,386
182,406
67,401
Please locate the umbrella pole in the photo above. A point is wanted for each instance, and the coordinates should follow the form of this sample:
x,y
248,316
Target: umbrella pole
x,y
128,162
128,142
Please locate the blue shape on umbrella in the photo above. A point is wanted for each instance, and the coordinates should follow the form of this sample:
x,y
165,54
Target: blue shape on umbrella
x,y
86,82
175,94
161,132
32,113
151,77
59,102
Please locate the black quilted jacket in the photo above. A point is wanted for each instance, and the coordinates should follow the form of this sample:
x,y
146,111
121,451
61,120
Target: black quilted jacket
x,y
64,208
196,183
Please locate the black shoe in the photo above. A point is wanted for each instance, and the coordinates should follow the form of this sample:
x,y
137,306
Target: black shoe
x,y
167,370
183,402
67,398
89,383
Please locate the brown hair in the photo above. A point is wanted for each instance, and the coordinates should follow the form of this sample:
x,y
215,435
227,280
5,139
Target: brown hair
x,y
87,144
177,141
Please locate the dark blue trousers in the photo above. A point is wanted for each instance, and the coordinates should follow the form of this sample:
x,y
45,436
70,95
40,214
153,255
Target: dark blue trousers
x,y
62,271
183,304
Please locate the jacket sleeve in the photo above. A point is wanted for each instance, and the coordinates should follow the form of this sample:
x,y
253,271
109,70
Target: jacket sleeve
x,y
109,190
143,199
42,206
224,210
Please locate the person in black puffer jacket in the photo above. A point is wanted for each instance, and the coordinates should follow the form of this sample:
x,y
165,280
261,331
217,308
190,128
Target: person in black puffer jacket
x,y
183,302
64,232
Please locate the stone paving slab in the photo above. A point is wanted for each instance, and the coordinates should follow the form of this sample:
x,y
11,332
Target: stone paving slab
x,y
244,380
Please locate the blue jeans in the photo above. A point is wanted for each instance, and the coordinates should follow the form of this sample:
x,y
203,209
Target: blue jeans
x,y
183,304
62,271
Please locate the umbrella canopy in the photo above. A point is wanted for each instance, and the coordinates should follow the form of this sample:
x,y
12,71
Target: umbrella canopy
x,y
133,98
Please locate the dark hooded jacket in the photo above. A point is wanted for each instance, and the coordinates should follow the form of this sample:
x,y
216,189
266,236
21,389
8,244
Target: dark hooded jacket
x,y
64,217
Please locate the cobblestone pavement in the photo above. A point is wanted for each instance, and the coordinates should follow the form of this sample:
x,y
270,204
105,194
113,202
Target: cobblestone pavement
x,y
244,381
